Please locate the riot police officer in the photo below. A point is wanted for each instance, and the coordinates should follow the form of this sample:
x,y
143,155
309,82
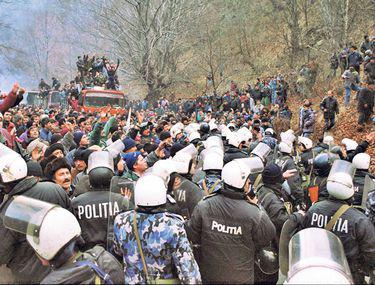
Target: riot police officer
x,y
212,166
229,229
286,162
96,209
138,236
361,161
354,229
15,252
57,242
321,167
235,146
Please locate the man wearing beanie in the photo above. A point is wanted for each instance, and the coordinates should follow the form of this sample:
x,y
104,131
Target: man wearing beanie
x,y
136,164
82,141
130,145
80,162
58,171
273,197
166,138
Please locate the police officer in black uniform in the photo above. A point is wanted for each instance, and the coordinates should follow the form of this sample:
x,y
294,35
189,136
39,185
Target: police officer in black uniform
x,y
321,167
286,162
229,229
95,210
57,243
15,252
361,161
354,229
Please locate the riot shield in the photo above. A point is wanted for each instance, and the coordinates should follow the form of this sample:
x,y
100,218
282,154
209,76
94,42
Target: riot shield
x,y
115,148
261,150
118,183
368,187
288,230
118,203
316,256
100,159
198,176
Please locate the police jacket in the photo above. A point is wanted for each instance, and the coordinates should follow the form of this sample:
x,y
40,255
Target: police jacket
x,y
359,183
228,230
354,229
71,273
286,162
331,105
15,251
272,198
95,212
187,196
233,153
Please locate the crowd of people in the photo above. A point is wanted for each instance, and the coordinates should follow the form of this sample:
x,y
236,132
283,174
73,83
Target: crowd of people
x,y
201,190
193,191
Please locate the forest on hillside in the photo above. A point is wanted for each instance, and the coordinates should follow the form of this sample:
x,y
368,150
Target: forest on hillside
x,y
172,46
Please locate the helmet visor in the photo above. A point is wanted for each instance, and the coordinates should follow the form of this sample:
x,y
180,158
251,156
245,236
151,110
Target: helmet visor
x,y
25,215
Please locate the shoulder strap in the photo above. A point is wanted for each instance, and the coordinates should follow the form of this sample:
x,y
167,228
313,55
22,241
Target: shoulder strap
x,y
135,228
257,180
99,272
336,216
213,186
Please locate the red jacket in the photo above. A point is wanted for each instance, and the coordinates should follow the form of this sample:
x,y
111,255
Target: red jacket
x,y
8,102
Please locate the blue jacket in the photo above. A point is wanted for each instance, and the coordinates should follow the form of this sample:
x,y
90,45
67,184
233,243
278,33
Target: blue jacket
x,y
164,244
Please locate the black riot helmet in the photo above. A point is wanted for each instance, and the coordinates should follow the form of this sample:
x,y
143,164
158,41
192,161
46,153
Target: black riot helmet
x,y
100,177
204,128
100,169
323,162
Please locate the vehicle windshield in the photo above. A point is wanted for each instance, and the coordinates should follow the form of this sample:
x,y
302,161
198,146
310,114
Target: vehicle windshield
x,y
103,99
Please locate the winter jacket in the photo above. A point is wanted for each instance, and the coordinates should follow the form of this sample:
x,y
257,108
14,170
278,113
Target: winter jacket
x,y
15,251
95,211
286,162
355,59
8,102
71,273
272,199
354,229
365,96
331,105
187,197
228,230
233,153
307,121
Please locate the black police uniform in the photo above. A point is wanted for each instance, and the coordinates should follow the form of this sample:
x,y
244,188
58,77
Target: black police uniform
x,y
355,231
228,230
72,273
359,183
15,251
95,211
233,153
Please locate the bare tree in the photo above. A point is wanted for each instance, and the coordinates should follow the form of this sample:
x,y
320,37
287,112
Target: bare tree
x,y
148,37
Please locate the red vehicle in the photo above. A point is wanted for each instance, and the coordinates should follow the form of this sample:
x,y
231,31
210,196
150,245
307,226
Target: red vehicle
x,y
95,100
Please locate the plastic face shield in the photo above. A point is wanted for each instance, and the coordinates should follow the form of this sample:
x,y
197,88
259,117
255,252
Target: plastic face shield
x,y
25,215
100,159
